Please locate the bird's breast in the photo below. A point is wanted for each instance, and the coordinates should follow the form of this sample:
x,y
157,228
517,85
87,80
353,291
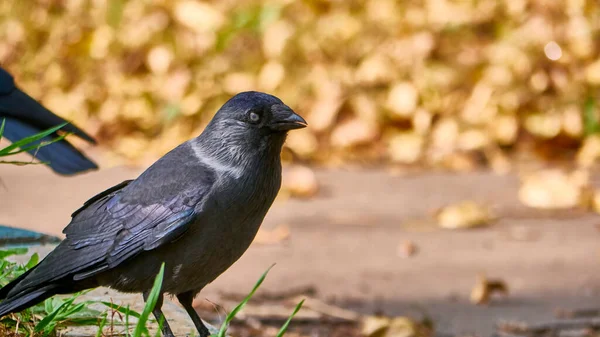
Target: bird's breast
x,y
223,232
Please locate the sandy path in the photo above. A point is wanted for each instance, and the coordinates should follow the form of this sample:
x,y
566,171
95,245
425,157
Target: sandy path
x,y
344,242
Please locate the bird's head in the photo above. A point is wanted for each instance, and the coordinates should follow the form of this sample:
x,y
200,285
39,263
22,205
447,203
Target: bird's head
x,y
252,110
254,119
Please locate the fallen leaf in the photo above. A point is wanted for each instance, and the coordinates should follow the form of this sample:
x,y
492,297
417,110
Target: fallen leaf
x,y
382,326
466,214
572,121
353,132
402,327
473,139
238,82
374,69
545,125
498,161
421,121
553,189
159,59
592,73
300,181
476,104
485,288
271,75
595,202
589,152
444,136
198,16
302,143
406,148
276,37
402,100
375,325
504,129
460,161
406,249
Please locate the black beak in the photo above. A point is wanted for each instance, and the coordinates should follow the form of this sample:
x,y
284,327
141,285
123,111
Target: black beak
x,y
285,119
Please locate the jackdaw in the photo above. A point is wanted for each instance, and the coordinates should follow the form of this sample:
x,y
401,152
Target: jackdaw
x,y
197,209
24,117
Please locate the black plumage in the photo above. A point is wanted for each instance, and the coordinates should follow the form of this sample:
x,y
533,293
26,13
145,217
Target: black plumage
x,y
24,117
197,209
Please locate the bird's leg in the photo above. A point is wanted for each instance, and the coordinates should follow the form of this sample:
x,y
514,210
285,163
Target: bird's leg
x,y
186,300
157,312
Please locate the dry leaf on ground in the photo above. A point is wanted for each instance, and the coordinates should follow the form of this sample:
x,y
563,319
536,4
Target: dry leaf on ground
x,y
300,181
406,249
466,214
381,326
486,288
553,189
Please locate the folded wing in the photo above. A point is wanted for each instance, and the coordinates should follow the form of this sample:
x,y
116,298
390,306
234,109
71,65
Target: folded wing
x,y
123,221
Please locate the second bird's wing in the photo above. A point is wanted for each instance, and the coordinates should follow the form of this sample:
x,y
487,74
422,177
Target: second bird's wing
x,y
62,157
25,117
125,220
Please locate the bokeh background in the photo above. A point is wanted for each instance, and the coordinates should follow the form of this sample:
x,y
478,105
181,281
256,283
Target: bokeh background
x,y
436,83
399,97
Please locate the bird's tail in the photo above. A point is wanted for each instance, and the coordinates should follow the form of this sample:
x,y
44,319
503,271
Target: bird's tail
x,y
7,288
26,299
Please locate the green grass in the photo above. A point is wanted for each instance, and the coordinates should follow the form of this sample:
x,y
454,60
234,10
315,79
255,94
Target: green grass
x,y
242,304
45,318
56,313
140,327
27,143
239,307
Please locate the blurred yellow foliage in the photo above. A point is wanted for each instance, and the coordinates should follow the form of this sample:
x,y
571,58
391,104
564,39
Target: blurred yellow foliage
x,y
434,82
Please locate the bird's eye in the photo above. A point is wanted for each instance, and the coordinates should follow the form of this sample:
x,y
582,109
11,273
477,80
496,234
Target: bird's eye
x,y
254,117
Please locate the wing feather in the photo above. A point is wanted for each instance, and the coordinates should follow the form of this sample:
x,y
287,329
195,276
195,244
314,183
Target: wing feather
x,y
125,220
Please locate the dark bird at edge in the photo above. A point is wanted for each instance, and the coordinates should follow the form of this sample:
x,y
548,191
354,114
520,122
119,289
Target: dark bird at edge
x,y
197,209
24,117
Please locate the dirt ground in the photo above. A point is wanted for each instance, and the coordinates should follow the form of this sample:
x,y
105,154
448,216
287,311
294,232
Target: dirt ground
x,y
344,244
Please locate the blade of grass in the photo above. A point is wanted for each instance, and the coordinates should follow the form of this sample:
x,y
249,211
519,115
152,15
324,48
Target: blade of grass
x,y
33,260
10,252
127,312
160,326
2,127
101,325
123,310
84,321
50,320
20,163
4,152
31,139
284,328
150,303
242,304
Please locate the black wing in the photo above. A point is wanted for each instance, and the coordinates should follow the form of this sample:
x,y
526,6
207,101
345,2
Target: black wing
x,y
25,117
107,192
155,209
